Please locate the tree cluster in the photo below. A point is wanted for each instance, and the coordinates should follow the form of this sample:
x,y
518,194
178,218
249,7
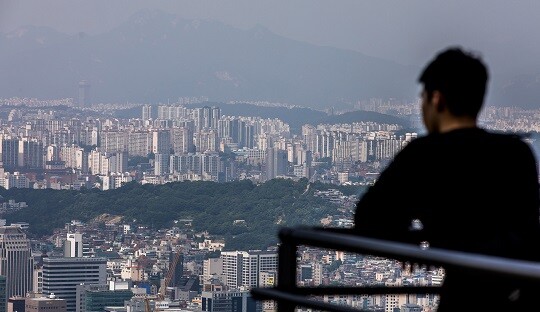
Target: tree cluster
x,y
213,207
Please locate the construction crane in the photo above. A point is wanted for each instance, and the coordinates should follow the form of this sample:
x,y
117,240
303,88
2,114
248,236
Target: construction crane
x,y
167,281
170,273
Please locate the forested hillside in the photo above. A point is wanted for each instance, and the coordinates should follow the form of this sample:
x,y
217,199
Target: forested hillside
x,y
212,206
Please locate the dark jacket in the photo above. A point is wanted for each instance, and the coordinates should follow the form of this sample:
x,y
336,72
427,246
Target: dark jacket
x,y
473,191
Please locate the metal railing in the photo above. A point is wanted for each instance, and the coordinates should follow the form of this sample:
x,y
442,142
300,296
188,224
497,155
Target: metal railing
x,y
289,296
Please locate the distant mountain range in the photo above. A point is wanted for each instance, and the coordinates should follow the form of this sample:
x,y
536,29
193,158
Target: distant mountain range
x,y
156,56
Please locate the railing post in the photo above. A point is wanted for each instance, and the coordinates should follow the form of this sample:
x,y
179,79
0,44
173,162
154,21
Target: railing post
x,y
287,268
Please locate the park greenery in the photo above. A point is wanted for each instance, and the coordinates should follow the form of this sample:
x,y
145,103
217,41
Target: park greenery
x,y
213,207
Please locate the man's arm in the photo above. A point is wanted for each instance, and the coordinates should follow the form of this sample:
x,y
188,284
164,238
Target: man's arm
x,y
384,211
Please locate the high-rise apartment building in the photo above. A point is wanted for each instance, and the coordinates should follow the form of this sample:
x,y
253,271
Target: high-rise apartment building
x,y
161,142
146,112
395,301
11,180
16,262
161,164
118,162
95,160
73,247
84,93
139,143
205,164
182,140
52,153
181,163
113,141
206,140
242,268
247,133
115,180
206,117
227,127
172,112
212,268
74,157
31,154
211,165
215,116
9,152
105,163
276,163
62,275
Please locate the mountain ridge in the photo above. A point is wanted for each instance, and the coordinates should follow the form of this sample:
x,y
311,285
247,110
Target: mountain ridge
x,y
155,56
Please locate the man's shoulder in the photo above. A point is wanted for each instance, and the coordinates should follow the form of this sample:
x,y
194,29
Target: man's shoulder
x,y
422,141
469,134
515,139
475,140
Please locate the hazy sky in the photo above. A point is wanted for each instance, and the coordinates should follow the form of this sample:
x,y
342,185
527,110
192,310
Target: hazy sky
x,y
507,33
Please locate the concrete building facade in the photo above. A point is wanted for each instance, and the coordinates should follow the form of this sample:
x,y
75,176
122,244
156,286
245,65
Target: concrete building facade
x,y
16,262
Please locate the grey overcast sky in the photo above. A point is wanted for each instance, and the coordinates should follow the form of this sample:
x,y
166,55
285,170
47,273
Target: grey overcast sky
x,y
406,31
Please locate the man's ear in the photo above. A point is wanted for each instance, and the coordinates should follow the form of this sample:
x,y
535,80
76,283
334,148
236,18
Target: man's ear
x,y
438,100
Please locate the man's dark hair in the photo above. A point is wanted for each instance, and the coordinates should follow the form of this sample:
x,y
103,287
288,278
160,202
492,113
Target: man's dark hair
x,y
461,77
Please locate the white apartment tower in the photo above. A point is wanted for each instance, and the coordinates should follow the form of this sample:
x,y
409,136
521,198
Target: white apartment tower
x,y
146,112
161,164
113,141
182,140
31,153
206,140
139,143
212,268
52,153
276,163
10,180
74,245
242,268
395,301
161,142
74,156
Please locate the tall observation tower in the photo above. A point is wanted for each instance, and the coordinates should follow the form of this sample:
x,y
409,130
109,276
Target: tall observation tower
x,y
84,95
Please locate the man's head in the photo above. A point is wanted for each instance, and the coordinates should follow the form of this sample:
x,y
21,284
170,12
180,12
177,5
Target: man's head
x,y
456,80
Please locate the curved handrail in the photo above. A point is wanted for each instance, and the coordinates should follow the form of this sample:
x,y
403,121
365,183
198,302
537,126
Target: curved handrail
x,y
348,241
289,295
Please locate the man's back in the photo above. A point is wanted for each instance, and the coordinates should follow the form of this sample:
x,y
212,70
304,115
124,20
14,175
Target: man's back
x,y
460,184
479,191
472,190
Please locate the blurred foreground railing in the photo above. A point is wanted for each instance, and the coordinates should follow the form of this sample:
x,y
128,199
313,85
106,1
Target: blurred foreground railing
x,y
289,296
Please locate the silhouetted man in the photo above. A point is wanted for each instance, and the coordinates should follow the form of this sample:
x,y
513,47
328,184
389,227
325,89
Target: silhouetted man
x,y
473,190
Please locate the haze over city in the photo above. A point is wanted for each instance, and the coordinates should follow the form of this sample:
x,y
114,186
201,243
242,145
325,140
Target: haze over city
x,y
407,33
